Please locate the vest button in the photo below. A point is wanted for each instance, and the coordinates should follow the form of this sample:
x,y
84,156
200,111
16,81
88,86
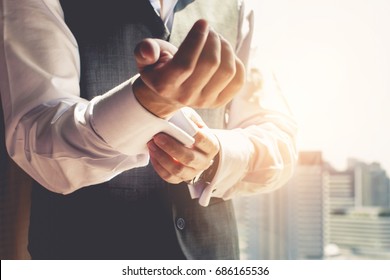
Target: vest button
x,y
180,223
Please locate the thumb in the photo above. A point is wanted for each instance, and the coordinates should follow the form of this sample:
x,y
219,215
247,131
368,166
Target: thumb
x,y
150,51
194,116
146,53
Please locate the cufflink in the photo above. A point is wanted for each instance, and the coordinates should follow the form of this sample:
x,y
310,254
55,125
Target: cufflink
x,y
195,180
204,176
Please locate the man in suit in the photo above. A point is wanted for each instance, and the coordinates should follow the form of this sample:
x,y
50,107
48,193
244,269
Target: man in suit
x,y
99,99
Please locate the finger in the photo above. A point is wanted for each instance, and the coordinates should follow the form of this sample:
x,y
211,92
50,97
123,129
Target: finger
x,y
234,86
146,53
189,51
150,51
224,75
171,165
188,157
208,63
163,173
207,142
194,116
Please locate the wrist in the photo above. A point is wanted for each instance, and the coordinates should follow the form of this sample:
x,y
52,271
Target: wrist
x,y
152,102
207,176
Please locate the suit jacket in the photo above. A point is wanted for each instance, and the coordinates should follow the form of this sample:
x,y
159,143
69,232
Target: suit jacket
x,y
136,215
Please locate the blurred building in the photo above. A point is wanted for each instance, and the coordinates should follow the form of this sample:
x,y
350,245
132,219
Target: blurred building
x,y
339,195
372,186
339,190
306,209
364,231
319,208
357,214
288,223
262,225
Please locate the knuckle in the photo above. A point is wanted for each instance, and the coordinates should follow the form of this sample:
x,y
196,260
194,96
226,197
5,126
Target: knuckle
x,y
188,159
230,68
178,170
211,61
228,71
165,176
202,103
185,99
240,76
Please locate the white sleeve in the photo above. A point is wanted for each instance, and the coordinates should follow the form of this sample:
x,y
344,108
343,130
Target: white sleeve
x,y
258,148
63,141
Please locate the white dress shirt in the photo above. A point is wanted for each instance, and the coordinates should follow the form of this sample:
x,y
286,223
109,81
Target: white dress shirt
x,y
65,142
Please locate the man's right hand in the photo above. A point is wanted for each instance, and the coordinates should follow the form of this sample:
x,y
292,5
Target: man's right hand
x,y
203,73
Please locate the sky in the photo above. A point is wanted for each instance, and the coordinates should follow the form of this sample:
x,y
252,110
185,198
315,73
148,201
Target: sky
x,y
332,61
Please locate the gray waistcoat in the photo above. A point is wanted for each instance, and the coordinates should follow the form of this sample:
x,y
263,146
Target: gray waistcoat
x,y
136,215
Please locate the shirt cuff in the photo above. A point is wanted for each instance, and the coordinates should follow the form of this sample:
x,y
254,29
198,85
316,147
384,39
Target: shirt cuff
x,y
124,124
235,152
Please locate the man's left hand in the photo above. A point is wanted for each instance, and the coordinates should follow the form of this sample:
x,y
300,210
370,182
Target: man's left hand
x,y
175,162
